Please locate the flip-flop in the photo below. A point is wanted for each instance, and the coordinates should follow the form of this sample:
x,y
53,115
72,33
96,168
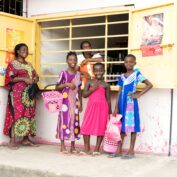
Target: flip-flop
x,y
84,153
128,156
96,153
114,155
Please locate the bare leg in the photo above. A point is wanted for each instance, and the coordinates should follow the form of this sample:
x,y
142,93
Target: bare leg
x,y
73,149
87,143
98,143
132,143
120,144
12,143
63,147
27,142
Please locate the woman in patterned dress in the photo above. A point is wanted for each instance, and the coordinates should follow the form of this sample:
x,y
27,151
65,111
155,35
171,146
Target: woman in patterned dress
x,y
69,84
127,103
20,113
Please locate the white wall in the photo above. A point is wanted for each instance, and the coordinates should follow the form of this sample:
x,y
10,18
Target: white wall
x,y
36,7
155,122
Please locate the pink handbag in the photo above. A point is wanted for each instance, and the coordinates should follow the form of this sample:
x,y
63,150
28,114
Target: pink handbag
x,y
112,134
52,100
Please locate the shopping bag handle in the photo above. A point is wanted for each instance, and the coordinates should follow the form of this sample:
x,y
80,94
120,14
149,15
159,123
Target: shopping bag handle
x,y
49,86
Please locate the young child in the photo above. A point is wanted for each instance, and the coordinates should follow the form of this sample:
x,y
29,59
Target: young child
x,y
127,103
69,83
98,109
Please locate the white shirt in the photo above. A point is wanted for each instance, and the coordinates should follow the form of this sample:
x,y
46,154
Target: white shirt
x,y
81,58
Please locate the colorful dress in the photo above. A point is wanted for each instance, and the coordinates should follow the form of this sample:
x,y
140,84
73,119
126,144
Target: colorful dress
x,y
68,124
128,106
96,114
20,108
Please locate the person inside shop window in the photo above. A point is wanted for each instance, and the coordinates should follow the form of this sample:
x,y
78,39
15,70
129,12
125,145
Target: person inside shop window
x,y
85,61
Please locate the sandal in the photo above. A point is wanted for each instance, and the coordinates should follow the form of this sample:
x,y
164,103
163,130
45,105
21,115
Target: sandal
x,y
114,155
84,153
96,153
128,156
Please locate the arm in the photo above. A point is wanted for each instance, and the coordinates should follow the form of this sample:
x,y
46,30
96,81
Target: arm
x,y
36,77
99,59
60,87
80,99
61,84
108,98
146,89
87,90
86,75
12,77
116,111
23,79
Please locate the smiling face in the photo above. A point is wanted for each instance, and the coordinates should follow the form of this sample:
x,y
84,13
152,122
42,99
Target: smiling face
x,y
23,52
129,63
72,61
98,71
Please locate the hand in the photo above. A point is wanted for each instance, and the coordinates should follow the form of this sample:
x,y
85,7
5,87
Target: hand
x,y
94,86
36,79
28,81
134,95
80,107
71,85
84,62
86,75
115,112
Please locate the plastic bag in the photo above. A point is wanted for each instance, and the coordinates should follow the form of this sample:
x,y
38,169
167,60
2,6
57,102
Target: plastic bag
x,y
112,134
114,127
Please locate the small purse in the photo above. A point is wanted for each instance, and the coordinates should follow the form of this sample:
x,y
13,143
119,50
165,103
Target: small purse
x,y
33,90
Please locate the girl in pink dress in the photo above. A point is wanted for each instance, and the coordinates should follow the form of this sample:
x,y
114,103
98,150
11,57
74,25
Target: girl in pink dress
x,y
98,109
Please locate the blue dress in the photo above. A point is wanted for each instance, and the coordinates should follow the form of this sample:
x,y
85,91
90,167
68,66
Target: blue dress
x,y
127,106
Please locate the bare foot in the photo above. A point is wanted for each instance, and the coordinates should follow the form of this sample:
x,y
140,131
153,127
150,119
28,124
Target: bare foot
x,y
131,152
119,153
63,150
27,142
85,153
13,145
73,150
